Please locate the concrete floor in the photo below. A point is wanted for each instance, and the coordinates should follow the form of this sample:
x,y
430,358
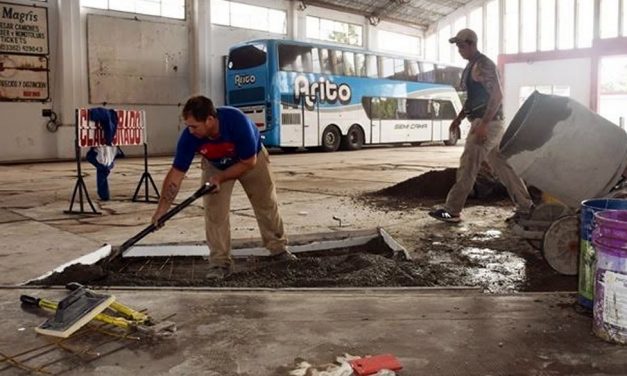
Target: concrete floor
x,y
436,332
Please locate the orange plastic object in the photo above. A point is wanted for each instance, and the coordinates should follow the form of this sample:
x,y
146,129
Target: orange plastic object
x,y
373,364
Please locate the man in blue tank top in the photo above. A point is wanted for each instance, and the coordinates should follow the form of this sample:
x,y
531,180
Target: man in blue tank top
x,y
484,110
231,149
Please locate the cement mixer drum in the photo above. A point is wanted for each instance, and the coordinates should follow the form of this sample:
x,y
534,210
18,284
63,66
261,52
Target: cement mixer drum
x,y
564,149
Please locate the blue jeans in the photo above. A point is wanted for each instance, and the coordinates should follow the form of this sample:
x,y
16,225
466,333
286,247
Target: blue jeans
x,y
102,173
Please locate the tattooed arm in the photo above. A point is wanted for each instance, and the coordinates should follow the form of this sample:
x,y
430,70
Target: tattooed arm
x,y
486,73
170,189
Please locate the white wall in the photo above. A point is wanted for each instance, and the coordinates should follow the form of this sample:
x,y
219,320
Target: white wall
x,y
575,73
25,135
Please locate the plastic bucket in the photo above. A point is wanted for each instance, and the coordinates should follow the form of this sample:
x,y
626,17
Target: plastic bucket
x,y
610,289
564,149
585,292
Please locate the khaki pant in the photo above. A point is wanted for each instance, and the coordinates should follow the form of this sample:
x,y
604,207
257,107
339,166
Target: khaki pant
x,y
470,162
259,187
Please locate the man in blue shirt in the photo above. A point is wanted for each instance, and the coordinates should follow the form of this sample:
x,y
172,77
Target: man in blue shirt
x,y
232,150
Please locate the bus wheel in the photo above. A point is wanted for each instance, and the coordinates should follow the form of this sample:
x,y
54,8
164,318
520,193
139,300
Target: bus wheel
x,y
354,138
453,137
330,139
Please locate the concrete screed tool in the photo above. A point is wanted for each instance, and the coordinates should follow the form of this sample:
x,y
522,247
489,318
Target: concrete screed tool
x,y
83,305
203,190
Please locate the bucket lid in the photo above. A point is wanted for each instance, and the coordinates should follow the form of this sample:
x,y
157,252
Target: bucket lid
x,y
605,203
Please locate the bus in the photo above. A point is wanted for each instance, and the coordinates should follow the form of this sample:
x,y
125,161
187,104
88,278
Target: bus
x,y
306,95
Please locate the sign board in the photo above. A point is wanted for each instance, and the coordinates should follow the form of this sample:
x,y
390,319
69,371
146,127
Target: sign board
x,y
23,29
23,77
131,129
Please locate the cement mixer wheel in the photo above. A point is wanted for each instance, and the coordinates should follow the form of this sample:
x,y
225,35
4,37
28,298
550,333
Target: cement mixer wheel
x,y
546,212
560,246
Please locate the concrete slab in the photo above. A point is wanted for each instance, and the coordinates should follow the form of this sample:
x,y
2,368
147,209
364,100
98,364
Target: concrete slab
x,y
9,216
30,248
432,332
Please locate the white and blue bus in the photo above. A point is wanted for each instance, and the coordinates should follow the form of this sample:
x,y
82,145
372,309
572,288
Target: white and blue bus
x,y
326,96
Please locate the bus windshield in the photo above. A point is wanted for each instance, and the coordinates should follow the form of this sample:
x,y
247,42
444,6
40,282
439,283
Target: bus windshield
x,y
249,56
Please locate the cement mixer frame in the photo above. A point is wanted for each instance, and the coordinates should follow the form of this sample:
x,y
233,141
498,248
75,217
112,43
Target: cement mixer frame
x,y
553,229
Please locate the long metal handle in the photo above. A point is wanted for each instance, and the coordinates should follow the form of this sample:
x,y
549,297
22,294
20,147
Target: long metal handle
x,y
206,188
37,302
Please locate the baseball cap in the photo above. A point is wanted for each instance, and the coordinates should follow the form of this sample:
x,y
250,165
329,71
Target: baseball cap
x,y
464,35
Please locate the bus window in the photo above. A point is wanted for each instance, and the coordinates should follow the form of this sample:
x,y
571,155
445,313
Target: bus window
x,y
337,62
294,58
389,108
315,60
401,108
381,108
444,109
349,63
366,103
386,67
325,62
449,75
399,70
411,67
427,73
360,65
418,109
371,66
307,61
247,56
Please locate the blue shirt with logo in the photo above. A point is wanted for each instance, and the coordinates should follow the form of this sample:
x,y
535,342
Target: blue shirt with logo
x,y
239,139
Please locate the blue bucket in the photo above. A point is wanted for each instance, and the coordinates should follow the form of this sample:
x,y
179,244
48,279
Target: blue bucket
x,y
587,255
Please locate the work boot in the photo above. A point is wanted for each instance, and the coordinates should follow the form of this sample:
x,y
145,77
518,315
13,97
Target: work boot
x,y
283,256
218,272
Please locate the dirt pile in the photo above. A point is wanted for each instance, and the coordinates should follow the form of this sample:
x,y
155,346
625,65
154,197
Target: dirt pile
x,y
435,184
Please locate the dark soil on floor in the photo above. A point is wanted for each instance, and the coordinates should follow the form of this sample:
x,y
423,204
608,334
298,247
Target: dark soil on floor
x,y
370,265
433,186
490,264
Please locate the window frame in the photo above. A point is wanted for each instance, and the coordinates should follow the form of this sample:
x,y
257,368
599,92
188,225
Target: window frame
x,y
160,15
318,35
230,17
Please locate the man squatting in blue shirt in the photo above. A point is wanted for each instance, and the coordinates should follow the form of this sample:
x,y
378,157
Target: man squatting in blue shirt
x,y
231,149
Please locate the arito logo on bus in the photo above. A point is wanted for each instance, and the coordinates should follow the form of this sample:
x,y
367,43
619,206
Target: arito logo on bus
x,y
323,89
247,79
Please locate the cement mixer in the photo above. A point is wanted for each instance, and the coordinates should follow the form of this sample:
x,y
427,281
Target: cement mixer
x,y
571,154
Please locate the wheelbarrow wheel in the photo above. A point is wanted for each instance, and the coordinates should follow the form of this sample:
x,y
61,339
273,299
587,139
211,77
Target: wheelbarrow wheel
x,y
560,246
